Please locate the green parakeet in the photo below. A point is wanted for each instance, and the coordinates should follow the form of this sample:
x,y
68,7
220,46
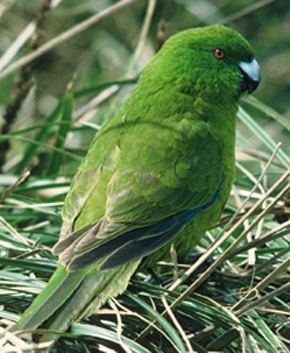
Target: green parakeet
x,y
158,172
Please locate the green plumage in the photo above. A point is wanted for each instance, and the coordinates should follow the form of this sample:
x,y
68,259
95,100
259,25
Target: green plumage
x,y
169,149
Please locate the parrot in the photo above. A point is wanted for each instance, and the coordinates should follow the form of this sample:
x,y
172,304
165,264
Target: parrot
x,y
158,173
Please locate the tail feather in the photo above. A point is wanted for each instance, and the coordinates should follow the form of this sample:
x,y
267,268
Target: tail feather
x,y
79,300
69,296
58,289
94,291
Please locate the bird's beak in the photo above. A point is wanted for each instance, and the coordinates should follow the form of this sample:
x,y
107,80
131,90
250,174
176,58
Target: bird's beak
x,y
252,75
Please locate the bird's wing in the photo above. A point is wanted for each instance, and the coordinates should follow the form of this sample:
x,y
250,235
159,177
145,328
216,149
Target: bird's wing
x,y
147,205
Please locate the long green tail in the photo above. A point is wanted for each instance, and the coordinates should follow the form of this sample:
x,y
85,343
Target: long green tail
x,y
60,287
69,296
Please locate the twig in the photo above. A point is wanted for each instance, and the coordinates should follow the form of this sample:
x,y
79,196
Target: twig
x,y
247,11
143,35
20,41
5,6
256,181
161,34
262,268
80,27
23,37
262,284
14,233
236,322
88,109
36,226
275,210
143,318
273,311
119,326
227,234
177,324
24,82
12,187
273,234
263,299
261,157
94,102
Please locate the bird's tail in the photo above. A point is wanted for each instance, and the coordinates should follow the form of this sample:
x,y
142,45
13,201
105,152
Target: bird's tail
x,y
69,296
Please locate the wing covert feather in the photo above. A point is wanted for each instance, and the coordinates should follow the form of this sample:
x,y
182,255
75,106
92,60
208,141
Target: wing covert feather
x,y
175,173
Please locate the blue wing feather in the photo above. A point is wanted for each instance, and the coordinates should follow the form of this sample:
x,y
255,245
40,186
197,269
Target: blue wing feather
x,y
139,242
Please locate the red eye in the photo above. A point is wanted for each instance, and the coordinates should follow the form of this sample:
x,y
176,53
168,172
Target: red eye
x,y
219,54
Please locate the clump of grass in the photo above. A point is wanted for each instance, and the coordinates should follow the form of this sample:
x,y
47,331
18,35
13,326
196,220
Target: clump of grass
x,y
235,303
233,298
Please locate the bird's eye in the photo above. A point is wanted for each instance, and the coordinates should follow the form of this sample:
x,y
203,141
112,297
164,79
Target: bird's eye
x,y
219,53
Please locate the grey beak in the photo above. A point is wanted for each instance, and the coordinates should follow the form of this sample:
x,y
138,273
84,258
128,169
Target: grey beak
x,y
252,75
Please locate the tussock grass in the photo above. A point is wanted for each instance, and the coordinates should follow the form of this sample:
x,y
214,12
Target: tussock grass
x,y
233,298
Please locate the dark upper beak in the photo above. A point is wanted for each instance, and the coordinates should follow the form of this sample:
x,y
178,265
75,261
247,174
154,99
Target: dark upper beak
x,y
252,75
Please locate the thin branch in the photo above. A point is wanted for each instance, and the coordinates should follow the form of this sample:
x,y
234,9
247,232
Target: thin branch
x,y
22,38
143,35
262,284
12,187
20,41
24,81
247,11
51,44
6,4
260,156
235,321
227,234
263,299
85,112
119,330
273,234
177,324
256,185
262,268
14,233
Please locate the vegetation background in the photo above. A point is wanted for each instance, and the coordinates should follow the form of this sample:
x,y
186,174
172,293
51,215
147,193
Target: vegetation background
x,y
235,298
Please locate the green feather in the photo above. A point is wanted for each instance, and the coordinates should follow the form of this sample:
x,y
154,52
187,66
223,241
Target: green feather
x,y
50,299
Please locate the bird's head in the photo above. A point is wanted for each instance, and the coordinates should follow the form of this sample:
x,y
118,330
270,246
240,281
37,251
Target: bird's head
x,y
213,62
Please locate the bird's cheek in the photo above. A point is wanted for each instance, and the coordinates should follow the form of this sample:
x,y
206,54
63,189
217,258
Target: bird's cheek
x,y
235,84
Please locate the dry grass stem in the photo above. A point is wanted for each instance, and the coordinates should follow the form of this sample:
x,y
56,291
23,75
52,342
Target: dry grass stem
x,y
143,35
80,27
119,325
262,284
227,234
177,324
272,234
256,303
12,187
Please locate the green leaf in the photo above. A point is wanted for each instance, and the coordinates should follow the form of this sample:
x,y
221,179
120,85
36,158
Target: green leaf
x,y
97,88
41,137
263,136
171,333
104,334
256,103
267,333
65,118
